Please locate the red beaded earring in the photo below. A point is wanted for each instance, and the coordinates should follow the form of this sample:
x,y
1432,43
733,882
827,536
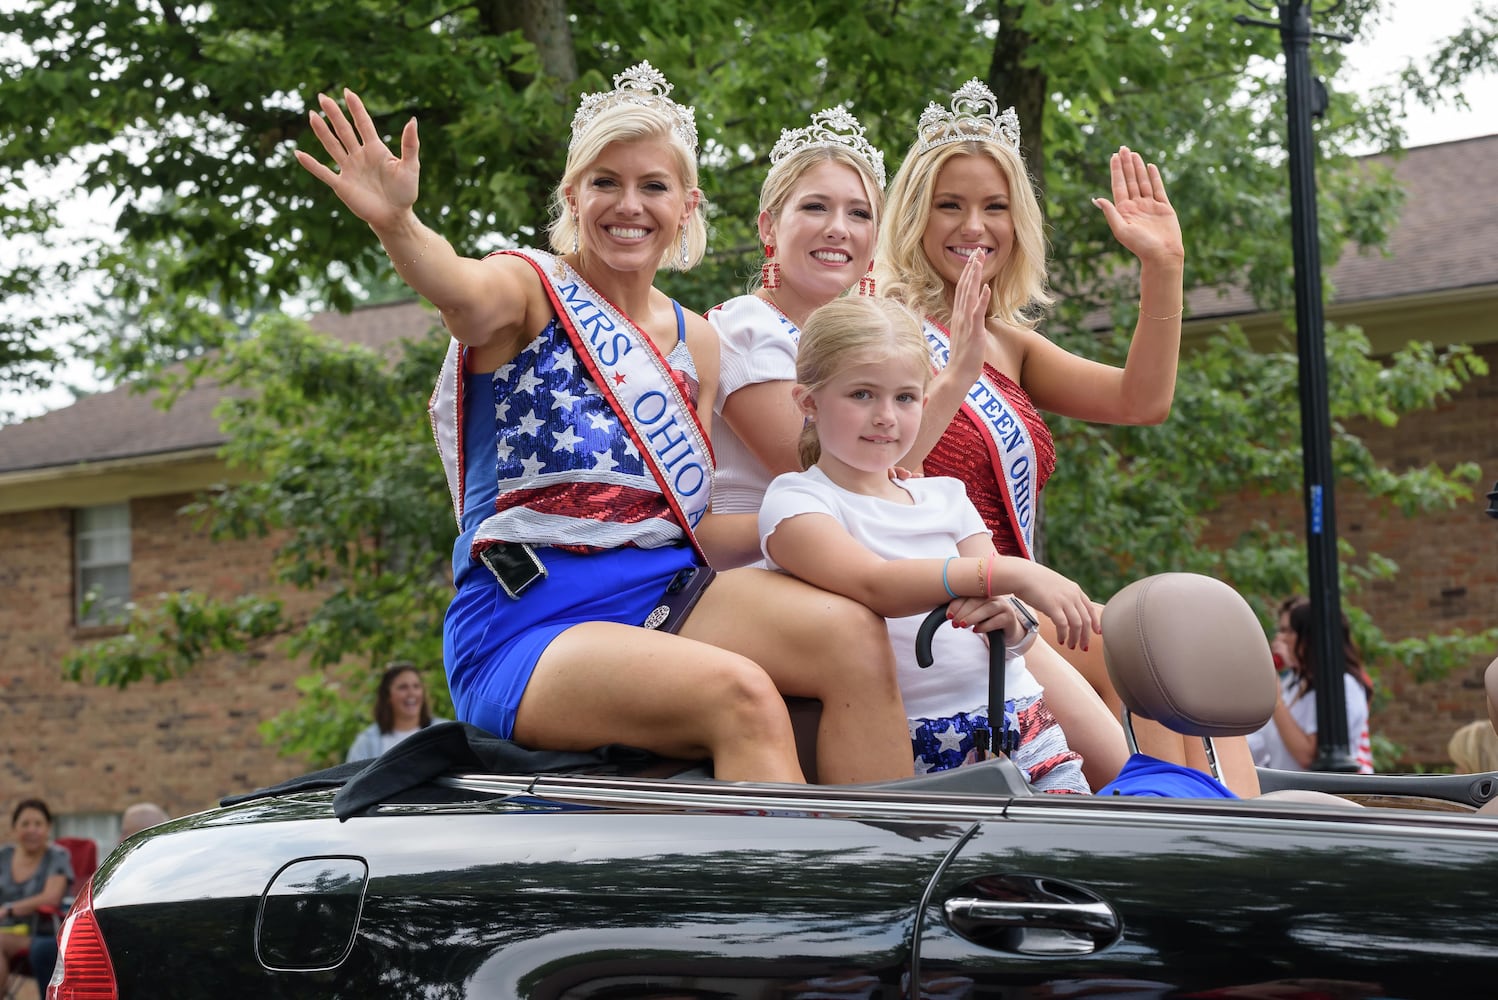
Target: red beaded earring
x,y
866,283
769,271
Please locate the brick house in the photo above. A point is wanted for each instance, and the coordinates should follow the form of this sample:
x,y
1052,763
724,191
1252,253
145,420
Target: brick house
x,y
90,496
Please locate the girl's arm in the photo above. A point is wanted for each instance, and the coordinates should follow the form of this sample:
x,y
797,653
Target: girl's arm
x,y
818,549
1142,219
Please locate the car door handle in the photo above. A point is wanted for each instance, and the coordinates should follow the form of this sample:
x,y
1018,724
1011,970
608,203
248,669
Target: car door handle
x,y
1034,927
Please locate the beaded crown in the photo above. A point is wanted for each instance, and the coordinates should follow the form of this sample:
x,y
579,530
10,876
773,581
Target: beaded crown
x,y
830,128
643,85
974,116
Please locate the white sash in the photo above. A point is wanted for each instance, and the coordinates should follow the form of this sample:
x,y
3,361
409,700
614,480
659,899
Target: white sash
x,y
635,379
1011,450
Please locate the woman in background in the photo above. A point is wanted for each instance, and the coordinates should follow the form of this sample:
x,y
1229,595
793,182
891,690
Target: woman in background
x,y
34,873
1288,740
401,708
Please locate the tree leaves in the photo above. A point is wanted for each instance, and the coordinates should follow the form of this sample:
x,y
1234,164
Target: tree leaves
x,y
190,118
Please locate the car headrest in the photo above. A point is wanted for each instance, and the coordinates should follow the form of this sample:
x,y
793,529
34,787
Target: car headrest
x,y
1186,651
1490,681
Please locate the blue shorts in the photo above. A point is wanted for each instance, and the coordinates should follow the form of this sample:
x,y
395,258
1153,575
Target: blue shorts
x,y
491,642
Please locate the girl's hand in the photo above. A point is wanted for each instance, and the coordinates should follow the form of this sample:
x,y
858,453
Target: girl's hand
x,y
373,182
985,614
969,328
1140,214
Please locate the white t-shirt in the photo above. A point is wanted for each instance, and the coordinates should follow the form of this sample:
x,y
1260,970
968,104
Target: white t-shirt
x,y
942,516
757,344
1268,747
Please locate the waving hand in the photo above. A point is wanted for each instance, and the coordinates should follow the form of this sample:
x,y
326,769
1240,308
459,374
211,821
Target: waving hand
x,y
376,185
1140,214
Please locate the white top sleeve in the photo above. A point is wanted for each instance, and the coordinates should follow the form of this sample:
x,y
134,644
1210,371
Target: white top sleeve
x,y
756,344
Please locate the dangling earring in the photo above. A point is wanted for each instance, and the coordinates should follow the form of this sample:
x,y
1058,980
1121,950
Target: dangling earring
x,y
575,233
866,283
769,271
686,255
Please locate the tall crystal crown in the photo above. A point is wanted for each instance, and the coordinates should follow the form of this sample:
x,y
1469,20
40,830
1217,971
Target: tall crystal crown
x,y
829,128
646,86
974,117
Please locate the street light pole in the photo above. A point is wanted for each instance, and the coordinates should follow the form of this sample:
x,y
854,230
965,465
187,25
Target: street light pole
x,y
1303,96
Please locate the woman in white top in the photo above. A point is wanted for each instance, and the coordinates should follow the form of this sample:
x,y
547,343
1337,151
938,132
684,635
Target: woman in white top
x,y
818,218
401,709
1288,740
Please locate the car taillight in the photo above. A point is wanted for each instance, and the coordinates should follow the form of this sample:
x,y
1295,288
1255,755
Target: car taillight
x,y
83,971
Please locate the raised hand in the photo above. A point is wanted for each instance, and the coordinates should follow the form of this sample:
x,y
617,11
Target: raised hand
x,y
1140,214
968,324
376,185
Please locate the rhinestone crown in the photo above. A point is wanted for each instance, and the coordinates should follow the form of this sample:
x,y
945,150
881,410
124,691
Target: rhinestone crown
x,y
646,86
974,116
830,128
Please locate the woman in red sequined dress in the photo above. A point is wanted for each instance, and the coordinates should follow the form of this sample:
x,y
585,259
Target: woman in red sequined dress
x,y
964,199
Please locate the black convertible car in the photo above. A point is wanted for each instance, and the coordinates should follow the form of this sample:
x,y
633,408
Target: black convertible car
x,y
613,875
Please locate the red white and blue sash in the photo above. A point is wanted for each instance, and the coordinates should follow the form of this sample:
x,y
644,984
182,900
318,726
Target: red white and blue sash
x,y
1011,450
632,376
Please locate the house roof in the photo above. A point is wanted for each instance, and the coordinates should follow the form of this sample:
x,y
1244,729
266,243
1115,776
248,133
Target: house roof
x,y
126,424
1444,240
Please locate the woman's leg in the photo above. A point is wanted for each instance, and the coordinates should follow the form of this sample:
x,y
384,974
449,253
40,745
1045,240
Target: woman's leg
x,y
601,682
1233,756
11,945
1091,729
815,644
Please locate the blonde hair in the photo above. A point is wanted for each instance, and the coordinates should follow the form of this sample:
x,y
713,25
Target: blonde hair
x,y
783,177
905,273
629,123
1474,748
854,330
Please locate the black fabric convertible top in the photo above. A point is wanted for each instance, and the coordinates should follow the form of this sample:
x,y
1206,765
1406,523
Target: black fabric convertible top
x,y
445,748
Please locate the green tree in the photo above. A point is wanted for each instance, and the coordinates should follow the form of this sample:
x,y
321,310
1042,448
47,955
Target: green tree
x,y
188,115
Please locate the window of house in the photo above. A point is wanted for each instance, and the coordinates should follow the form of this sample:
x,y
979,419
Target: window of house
x,y
102,563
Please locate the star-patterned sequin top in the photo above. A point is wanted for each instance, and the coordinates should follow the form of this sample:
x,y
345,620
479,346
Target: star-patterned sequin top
x,y
548,462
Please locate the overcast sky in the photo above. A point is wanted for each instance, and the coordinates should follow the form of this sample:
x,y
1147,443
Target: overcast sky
x,y
1412,29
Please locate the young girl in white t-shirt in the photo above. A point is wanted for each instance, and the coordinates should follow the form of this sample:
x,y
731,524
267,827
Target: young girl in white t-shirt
x,y
903,546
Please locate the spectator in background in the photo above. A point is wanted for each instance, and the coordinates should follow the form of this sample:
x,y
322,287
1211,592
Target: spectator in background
x,y
34,872
140,816
1288,739
1474,748
43,952
401,708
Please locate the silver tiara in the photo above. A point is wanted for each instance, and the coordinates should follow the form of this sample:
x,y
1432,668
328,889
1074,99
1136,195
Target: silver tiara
x,y
974,117
830,128
642,85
